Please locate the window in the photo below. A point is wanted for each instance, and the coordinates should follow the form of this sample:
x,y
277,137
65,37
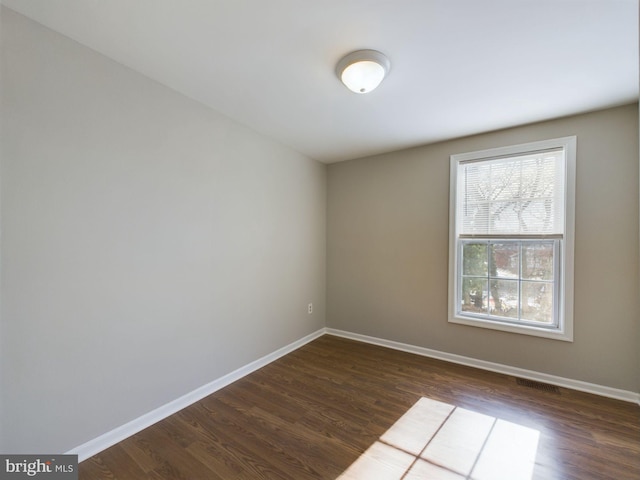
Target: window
x,y
511,238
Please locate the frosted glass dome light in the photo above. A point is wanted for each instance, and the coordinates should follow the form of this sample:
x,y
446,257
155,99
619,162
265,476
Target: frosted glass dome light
x,y
362,71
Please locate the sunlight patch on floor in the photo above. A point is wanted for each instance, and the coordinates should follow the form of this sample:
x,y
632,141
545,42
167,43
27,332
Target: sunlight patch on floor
x,y
439,441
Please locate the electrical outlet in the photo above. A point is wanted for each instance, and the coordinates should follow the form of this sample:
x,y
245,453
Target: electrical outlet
x,y
310,308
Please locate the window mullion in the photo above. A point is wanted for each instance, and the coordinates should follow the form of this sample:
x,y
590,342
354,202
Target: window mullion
x,y
520,281
488,281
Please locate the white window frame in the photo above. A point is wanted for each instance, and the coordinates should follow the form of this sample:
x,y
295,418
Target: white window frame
x,y
563,330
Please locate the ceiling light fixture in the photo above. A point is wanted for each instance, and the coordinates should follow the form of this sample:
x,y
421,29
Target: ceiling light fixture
x,y
363,70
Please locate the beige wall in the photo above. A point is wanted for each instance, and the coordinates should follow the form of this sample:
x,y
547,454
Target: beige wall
x,y
149,244
387,252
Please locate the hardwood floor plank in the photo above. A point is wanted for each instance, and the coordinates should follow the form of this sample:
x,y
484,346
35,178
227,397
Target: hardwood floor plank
x,y
229,457
175,461
313,414
127,467
95,468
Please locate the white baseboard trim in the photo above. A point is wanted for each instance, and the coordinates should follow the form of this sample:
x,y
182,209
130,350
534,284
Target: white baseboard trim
x,y
601,390
118,434
106,440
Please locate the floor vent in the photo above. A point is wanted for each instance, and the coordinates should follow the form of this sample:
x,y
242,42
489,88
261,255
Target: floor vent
x,y
538,385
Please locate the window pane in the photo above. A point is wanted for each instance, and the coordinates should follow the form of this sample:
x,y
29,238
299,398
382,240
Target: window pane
x,y
537,302
504,298
537,261
474,293
512,195
521,216
505,260
474,259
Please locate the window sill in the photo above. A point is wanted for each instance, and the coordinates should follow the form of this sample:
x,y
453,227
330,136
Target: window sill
x,y
555,334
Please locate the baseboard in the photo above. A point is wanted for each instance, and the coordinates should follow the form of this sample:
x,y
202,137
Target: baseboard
x,y
92,447
601,390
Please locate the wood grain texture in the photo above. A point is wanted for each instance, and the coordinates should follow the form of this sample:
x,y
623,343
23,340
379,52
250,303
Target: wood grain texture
x,y
312,413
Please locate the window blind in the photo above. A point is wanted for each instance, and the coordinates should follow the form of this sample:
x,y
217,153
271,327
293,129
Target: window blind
x,y
514,195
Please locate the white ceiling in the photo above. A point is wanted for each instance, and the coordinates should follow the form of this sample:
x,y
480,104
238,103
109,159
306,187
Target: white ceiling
x,y
458,67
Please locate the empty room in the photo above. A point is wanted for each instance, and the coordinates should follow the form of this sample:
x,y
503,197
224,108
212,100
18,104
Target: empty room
x,y
356,239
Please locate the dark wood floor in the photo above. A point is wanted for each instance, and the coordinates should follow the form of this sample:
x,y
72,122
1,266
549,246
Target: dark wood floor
x,y
316,411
